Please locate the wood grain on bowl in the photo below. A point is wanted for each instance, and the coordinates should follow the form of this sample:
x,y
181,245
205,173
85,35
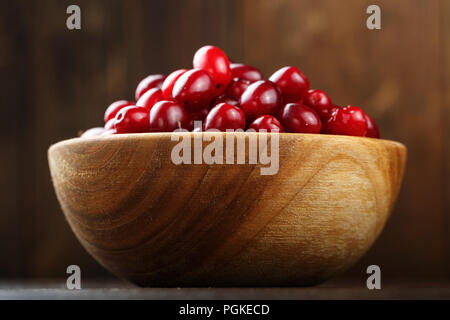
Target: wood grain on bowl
x,y
160,224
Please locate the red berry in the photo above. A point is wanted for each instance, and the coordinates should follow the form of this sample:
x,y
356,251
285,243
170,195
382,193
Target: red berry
x,y
112,110
152,81
93,132
326,115
328,112
348,120
110,124
261,98
236,88
149,98
225,116
216,63
319,101
245,72
268,123
224,99
299,118
131,120
167,116
292,83
194,90
169,82
372,128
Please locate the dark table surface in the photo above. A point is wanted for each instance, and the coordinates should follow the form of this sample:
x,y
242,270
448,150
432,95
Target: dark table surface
x,y
115,289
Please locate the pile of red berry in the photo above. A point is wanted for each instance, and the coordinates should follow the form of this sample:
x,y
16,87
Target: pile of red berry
x,y
232,96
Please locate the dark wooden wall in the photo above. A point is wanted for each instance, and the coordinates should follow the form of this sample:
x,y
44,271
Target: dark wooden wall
x,y
55,82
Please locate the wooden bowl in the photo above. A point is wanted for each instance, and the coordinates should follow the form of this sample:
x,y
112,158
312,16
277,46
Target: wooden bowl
x,y
160,224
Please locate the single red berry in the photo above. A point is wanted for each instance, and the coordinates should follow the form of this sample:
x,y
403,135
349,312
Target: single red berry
x,y
194,90
152,81
149,98
292,83
327,113
131,119
298,118
114,107
224,99
319,101
268,123
167,116
169,82
110,124
261,98
225,116
350,121
245,72
93,132
216,63
372,128
236,88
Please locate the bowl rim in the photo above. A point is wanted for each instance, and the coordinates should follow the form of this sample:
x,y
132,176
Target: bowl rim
x,y
153,135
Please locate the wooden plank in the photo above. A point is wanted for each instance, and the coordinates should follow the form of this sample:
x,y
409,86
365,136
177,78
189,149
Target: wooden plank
x,y
194,23
445,106
17,183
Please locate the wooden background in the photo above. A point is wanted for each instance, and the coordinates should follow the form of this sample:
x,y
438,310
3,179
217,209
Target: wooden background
x,y
55,82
